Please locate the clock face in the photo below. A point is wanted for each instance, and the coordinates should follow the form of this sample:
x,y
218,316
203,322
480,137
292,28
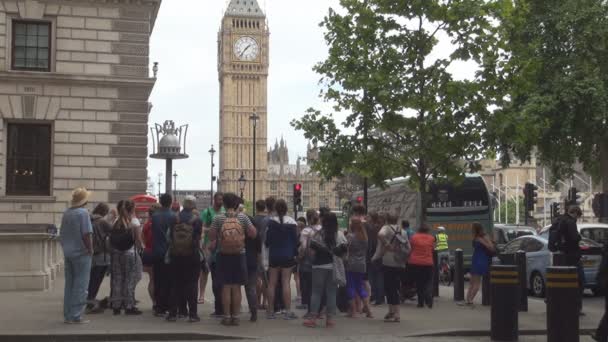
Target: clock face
x,y
246,49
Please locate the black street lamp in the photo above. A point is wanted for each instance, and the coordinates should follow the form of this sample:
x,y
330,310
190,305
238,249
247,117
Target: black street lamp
x,y
254,120
242,183
212,152
175,185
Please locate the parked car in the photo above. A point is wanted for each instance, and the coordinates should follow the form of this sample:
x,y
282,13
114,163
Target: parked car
x,y
539,258
505,233
597,232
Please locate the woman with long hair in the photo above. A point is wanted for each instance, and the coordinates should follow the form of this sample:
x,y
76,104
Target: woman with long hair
x,y
282,243
356,268
483,248
147,257
392,268
325,245
125,237
101,257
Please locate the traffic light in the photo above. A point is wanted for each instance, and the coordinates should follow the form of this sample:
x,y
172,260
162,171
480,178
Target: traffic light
x,y
600,205
574,197
555,210
530,196
297,195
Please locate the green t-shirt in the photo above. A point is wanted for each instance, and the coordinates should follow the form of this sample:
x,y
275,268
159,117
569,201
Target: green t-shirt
x,y
207,217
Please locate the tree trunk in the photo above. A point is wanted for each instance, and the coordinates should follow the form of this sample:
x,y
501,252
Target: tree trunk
x,y
604,172
423,198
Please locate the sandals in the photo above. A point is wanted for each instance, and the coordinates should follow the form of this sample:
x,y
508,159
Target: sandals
x,y
393,320
310,323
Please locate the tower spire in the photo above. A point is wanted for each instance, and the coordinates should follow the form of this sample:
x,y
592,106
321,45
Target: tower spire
x,y
245,8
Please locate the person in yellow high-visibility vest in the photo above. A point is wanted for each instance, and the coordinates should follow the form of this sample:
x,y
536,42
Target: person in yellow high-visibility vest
x,y
441,245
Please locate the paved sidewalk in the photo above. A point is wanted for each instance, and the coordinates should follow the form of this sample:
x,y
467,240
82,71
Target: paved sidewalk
x,y
41,313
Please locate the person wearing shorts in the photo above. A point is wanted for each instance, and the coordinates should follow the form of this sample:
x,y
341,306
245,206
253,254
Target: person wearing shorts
x,y
282,243
233,267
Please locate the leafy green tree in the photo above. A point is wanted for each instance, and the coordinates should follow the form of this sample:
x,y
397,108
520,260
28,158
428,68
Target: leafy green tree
x,y
509,209
549,79
406,114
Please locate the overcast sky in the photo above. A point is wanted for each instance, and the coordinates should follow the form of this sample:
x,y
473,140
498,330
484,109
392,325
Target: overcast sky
x,y
184,43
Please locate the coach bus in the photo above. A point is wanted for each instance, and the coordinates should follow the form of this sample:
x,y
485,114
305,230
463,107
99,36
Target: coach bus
x,y
453,206
456,207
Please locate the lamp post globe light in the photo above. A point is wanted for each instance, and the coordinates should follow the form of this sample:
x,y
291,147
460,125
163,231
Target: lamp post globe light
x,y
212,152
242,183
169,143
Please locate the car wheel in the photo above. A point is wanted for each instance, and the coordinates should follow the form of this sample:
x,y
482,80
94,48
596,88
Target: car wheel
x,y
537,284
597,291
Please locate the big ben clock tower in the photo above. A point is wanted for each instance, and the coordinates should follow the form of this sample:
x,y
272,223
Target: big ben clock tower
x,y
243,76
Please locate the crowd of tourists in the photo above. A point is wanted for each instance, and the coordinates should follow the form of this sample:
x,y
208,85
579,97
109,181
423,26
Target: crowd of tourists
x,y
377,260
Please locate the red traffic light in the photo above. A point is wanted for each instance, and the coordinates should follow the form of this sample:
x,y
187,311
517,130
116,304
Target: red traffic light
x,y
359,199
298,187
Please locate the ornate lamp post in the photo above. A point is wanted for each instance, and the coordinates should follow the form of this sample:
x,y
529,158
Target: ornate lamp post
x,y
254,120
174,185
212,152
242,183
168,143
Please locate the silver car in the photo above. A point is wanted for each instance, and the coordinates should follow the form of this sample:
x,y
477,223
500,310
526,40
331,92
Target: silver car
x,y
539,258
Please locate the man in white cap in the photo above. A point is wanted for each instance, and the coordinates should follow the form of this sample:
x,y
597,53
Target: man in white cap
x,y
77,243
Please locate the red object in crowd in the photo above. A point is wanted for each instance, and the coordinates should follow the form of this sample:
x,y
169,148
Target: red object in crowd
x,y
176,207
142,205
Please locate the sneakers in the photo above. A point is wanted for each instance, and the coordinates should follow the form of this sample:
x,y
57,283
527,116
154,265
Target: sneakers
x,y
171,319
77,321
271,316
289,316
254,317
194,319
116,312
159,313
310,323
133,312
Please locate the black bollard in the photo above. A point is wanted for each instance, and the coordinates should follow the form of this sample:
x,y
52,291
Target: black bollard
x,y
435,275
562,304
521,262
458,275
504,285
486,297
558,259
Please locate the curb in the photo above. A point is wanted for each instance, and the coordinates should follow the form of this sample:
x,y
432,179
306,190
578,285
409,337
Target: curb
x,y
119,337
486,333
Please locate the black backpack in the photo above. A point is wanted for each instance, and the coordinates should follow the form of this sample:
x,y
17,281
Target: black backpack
x,y
555,236
121,237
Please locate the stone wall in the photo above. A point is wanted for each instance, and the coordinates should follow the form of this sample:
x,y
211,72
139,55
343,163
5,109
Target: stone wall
x,y
95,97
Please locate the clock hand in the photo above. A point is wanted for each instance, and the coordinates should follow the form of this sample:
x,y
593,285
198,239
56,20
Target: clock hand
x,y
247,48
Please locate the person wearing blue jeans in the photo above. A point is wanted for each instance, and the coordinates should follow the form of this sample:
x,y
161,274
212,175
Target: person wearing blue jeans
x,y
326,245
77,270
77,244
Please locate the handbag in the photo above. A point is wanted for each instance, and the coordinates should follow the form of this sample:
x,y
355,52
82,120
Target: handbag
x,y
339,271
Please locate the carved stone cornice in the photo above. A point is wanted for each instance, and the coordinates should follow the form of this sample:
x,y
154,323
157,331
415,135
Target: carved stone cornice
x,y
154,4
71,79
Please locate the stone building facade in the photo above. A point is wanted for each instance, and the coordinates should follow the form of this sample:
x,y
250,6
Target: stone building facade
x,y
74,89
316,191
